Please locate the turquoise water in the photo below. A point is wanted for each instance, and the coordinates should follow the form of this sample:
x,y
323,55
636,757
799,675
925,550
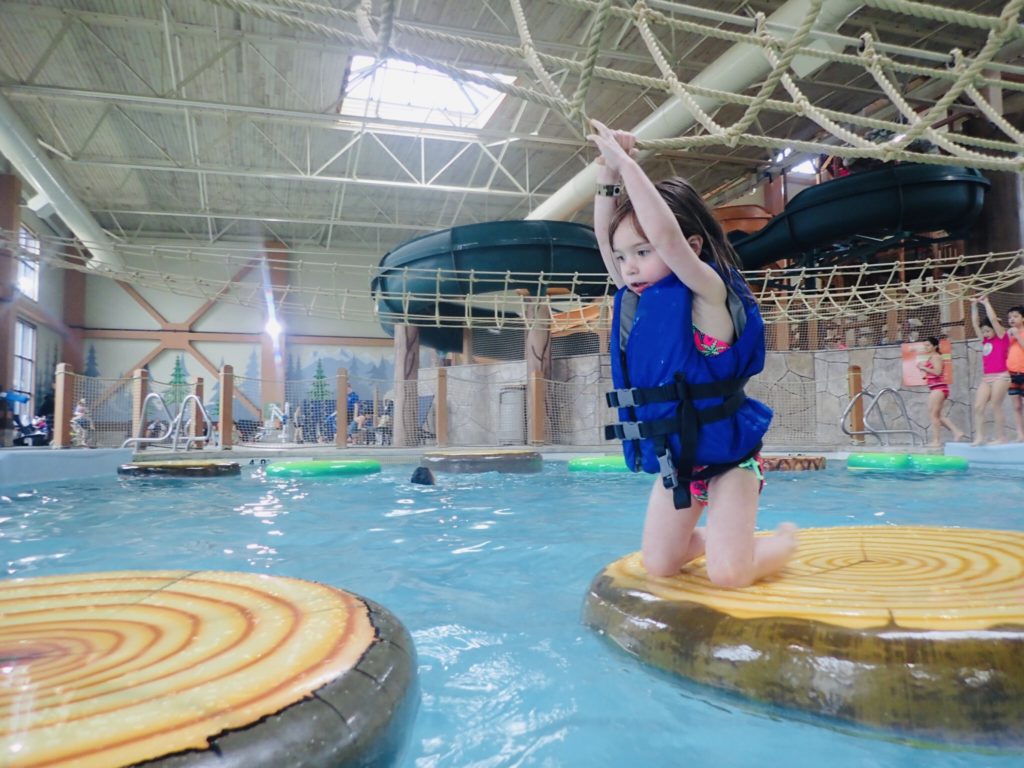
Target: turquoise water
x,y
488,573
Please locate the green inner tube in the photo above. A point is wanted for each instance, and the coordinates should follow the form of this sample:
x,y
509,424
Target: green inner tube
x,y
323,468
905,462
609,463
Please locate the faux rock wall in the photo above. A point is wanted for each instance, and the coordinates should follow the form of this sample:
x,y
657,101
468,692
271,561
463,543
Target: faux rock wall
x,y
807,390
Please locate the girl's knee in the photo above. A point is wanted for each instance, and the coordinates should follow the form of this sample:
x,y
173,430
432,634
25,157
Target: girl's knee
x,y
730,574
661,563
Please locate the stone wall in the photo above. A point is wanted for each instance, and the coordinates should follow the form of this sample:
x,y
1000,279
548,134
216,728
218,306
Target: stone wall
x,y
807,390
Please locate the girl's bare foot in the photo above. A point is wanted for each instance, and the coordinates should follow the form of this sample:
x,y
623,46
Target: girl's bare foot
x,y
959,438
787,532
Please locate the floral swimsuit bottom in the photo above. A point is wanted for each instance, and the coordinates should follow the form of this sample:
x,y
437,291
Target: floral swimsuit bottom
x,y
709,346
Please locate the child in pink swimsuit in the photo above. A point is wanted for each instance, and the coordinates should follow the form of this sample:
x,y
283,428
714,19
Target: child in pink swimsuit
x,y
995,379
931,367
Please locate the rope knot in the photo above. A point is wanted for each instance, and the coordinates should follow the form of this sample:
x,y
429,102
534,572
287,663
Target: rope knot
x,y
867,45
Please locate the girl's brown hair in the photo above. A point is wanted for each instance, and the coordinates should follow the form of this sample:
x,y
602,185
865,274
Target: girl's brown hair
x,y
694,218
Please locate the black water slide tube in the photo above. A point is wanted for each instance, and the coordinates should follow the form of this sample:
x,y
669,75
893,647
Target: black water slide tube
x,y
886,201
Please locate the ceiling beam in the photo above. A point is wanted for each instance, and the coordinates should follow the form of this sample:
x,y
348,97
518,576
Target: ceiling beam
x,y
332,121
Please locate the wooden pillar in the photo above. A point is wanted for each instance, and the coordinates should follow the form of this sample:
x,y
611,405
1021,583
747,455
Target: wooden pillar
x,y
855,386
535,409
813,334
10,198
893,327
73,343
63,405
467,346
441,408
407,371
782,334
226,408
775,195
140,388
196,417
537,314
952,318
274,349
341,406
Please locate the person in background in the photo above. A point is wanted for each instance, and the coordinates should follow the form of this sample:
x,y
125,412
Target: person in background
x,y
995,379
1015,365
938,394
356,419
688,331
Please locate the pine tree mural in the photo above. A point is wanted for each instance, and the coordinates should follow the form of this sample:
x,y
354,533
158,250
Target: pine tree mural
x,y
320,406
91,368
175,394
319,390
213,401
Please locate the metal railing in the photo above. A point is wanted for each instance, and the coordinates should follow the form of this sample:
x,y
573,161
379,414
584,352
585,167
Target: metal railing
x,y
882,433
175,429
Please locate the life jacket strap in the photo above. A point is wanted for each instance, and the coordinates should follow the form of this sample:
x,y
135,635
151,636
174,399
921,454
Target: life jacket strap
x,y
640,430
675,390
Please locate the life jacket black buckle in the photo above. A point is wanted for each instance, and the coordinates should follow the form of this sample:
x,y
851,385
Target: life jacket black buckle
x,y
630,430
669,476
621,398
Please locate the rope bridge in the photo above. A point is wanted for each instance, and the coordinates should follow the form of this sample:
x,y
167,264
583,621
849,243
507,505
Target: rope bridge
x,y
319,287
911,136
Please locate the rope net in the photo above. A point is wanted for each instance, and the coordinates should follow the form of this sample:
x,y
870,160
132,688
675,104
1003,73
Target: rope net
x,y
901,280
908,136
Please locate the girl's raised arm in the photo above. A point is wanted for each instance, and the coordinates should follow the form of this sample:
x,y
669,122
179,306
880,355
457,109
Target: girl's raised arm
x,y
993,318
677,249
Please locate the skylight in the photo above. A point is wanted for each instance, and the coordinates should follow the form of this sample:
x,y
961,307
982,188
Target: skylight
x,y
398,90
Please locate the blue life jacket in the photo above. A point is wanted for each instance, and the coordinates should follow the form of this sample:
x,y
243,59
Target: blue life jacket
x,y
677,407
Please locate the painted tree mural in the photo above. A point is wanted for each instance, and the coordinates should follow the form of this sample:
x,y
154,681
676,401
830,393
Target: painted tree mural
x,y
91,368
179,387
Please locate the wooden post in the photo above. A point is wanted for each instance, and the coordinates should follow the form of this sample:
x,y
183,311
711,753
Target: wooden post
x,y
197,414
273,349
441,408
856,386
954,322
407,371
467,346
10,210
893,327
535,412
341,406
226,408
537,313
140,388
63,405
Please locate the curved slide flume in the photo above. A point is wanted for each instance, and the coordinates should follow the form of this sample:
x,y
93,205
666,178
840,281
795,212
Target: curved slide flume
x,y
886,201
423,279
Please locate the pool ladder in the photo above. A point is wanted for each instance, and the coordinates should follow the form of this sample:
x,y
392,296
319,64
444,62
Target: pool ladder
x,y
881,434
177,424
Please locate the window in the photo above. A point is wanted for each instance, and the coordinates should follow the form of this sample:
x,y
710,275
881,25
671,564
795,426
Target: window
x,y
28,264
24,367
398,90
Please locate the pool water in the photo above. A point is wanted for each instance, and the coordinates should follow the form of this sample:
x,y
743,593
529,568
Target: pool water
x,y
489,572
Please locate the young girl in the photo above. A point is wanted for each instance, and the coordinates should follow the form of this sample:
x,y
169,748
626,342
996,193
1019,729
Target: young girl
x,y
687,336
995,380
931,367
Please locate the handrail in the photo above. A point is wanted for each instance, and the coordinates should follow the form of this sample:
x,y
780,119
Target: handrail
x,y
175,424
880,434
